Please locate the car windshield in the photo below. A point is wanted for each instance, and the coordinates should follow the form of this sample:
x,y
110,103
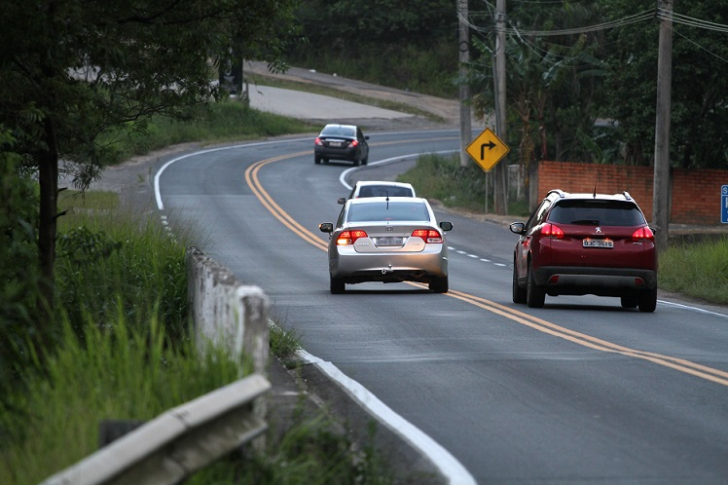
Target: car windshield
x,y
597,213
384,191
336,130
388,211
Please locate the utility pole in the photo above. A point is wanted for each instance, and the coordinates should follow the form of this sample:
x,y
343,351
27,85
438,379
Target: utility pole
x,y
661,185
500,191
465,124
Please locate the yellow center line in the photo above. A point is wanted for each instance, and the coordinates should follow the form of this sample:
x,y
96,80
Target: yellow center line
x,y
682,365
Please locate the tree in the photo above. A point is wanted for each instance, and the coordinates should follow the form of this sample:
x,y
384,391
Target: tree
x,y
71,70
553,82
699,83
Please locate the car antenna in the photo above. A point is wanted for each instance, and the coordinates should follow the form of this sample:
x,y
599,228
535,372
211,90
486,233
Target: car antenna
x,y
387,192
595,190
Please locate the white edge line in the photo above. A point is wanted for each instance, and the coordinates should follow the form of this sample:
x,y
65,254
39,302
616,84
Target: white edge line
x,y
345,173
157,191
451,469
693,308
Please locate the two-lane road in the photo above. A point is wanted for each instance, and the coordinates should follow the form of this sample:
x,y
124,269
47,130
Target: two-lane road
x,y
579,391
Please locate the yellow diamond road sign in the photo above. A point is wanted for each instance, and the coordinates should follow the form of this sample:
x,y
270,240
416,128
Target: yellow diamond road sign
x,y
487,150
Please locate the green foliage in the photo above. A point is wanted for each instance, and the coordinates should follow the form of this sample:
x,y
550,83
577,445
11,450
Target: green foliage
x,y
219,122
284,343
97,258
442,178
699,84
699,270
18,264
114,371
406,45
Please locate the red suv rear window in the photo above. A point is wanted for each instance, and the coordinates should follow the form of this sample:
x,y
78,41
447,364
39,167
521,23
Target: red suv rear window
x,y
597,213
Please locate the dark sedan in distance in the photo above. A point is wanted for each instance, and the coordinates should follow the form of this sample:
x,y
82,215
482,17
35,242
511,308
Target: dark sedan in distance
x,y
341,142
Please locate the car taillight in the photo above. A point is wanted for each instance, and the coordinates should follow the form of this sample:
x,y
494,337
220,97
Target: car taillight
x,y
430,236
643,234
317,141
347,238
354,143
552,231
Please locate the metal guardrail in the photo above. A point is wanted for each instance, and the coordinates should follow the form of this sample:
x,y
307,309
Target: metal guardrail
x,y
177,443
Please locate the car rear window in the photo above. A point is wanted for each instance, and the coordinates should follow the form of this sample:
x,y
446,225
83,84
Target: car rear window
x,y
339,131
384,191
388,211
597,213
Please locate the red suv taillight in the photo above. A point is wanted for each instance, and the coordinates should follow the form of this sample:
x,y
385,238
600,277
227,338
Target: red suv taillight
x,y
430,236
552,231
347,238
643,234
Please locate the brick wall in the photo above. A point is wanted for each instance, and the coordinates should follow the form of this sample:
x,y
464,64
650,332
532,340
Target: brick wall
x,y
695,193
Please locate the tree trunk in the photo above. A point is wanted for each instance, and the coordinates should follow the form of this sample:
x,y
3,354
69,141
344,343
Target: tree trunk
x,y
48,180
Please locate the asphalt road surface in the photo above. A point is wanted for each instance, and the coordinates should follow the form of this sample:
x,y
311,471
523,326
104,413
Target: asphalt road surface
x,y
581,391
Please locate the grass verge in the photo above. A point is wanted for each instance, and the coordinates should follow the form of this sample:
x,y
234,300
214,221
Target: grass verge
x,y
698,270
345,95
220,122
124,351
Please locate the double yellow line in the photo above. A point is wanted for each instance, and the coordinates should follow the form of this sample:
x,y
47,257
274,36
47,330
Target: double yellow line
x,y
682,365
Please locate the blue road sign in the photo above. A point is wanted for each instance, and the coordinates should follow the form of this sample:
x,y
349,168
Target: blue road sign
x,y
724,204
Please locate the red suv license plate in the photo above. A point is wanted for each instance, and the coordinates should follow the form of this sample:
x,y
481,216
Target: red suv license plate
x,y
598,243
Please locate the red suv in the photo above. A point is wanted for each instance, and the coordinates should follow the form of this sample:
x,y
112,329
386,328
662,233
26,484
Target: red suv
x,y
578,244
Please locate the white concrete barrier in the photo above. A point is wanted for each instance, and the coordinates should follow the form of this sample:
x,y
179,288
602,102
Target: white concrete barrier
x,y
225,312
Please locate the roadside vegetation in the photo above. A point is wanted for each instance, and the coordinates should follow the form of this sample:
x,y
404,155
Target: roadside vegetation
x,y
124,351
225,121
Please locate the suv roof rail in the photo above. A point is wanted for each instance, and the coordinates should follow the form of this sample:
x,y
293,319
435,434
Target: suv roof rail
x,y
626,195
561,193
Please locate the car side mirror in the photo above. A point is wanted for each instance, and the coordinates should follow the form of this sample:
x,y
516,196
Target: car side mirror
x,y
326,227
446,226
518,228
366,137
342,200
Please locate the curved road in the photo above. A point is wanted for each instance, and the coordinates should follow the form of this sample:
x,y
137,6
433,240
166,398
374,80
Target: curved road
x,y
579,391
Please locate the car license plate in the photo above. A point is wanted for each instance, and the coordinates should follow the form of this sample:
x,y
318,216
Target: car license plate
x,y
598,243
334,143
389,241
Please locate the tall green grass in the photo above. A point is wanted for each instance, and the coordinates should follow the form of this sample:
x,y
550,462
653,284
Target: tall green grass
x,y
698,270
105,250
124,352
441,177
113,371
220,122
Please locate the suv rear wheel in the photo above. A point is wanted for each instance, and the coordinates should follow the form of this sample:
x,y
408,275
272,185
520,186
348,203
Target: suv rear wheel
x,y
519,294
535,295
648,301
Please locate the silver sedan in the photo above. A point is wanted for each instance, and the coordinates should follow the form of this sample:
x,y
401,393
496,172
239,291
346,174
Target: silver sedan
x,y
387,239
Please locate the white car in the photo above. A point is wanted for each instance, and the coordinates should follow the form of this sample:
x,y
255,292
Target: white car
x,y
379,188
387,239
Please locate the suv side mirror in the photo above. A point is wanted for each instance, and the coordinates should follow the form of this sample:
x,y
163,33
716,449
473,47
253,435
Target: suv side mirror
x,y
342,200
446,226
518,228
